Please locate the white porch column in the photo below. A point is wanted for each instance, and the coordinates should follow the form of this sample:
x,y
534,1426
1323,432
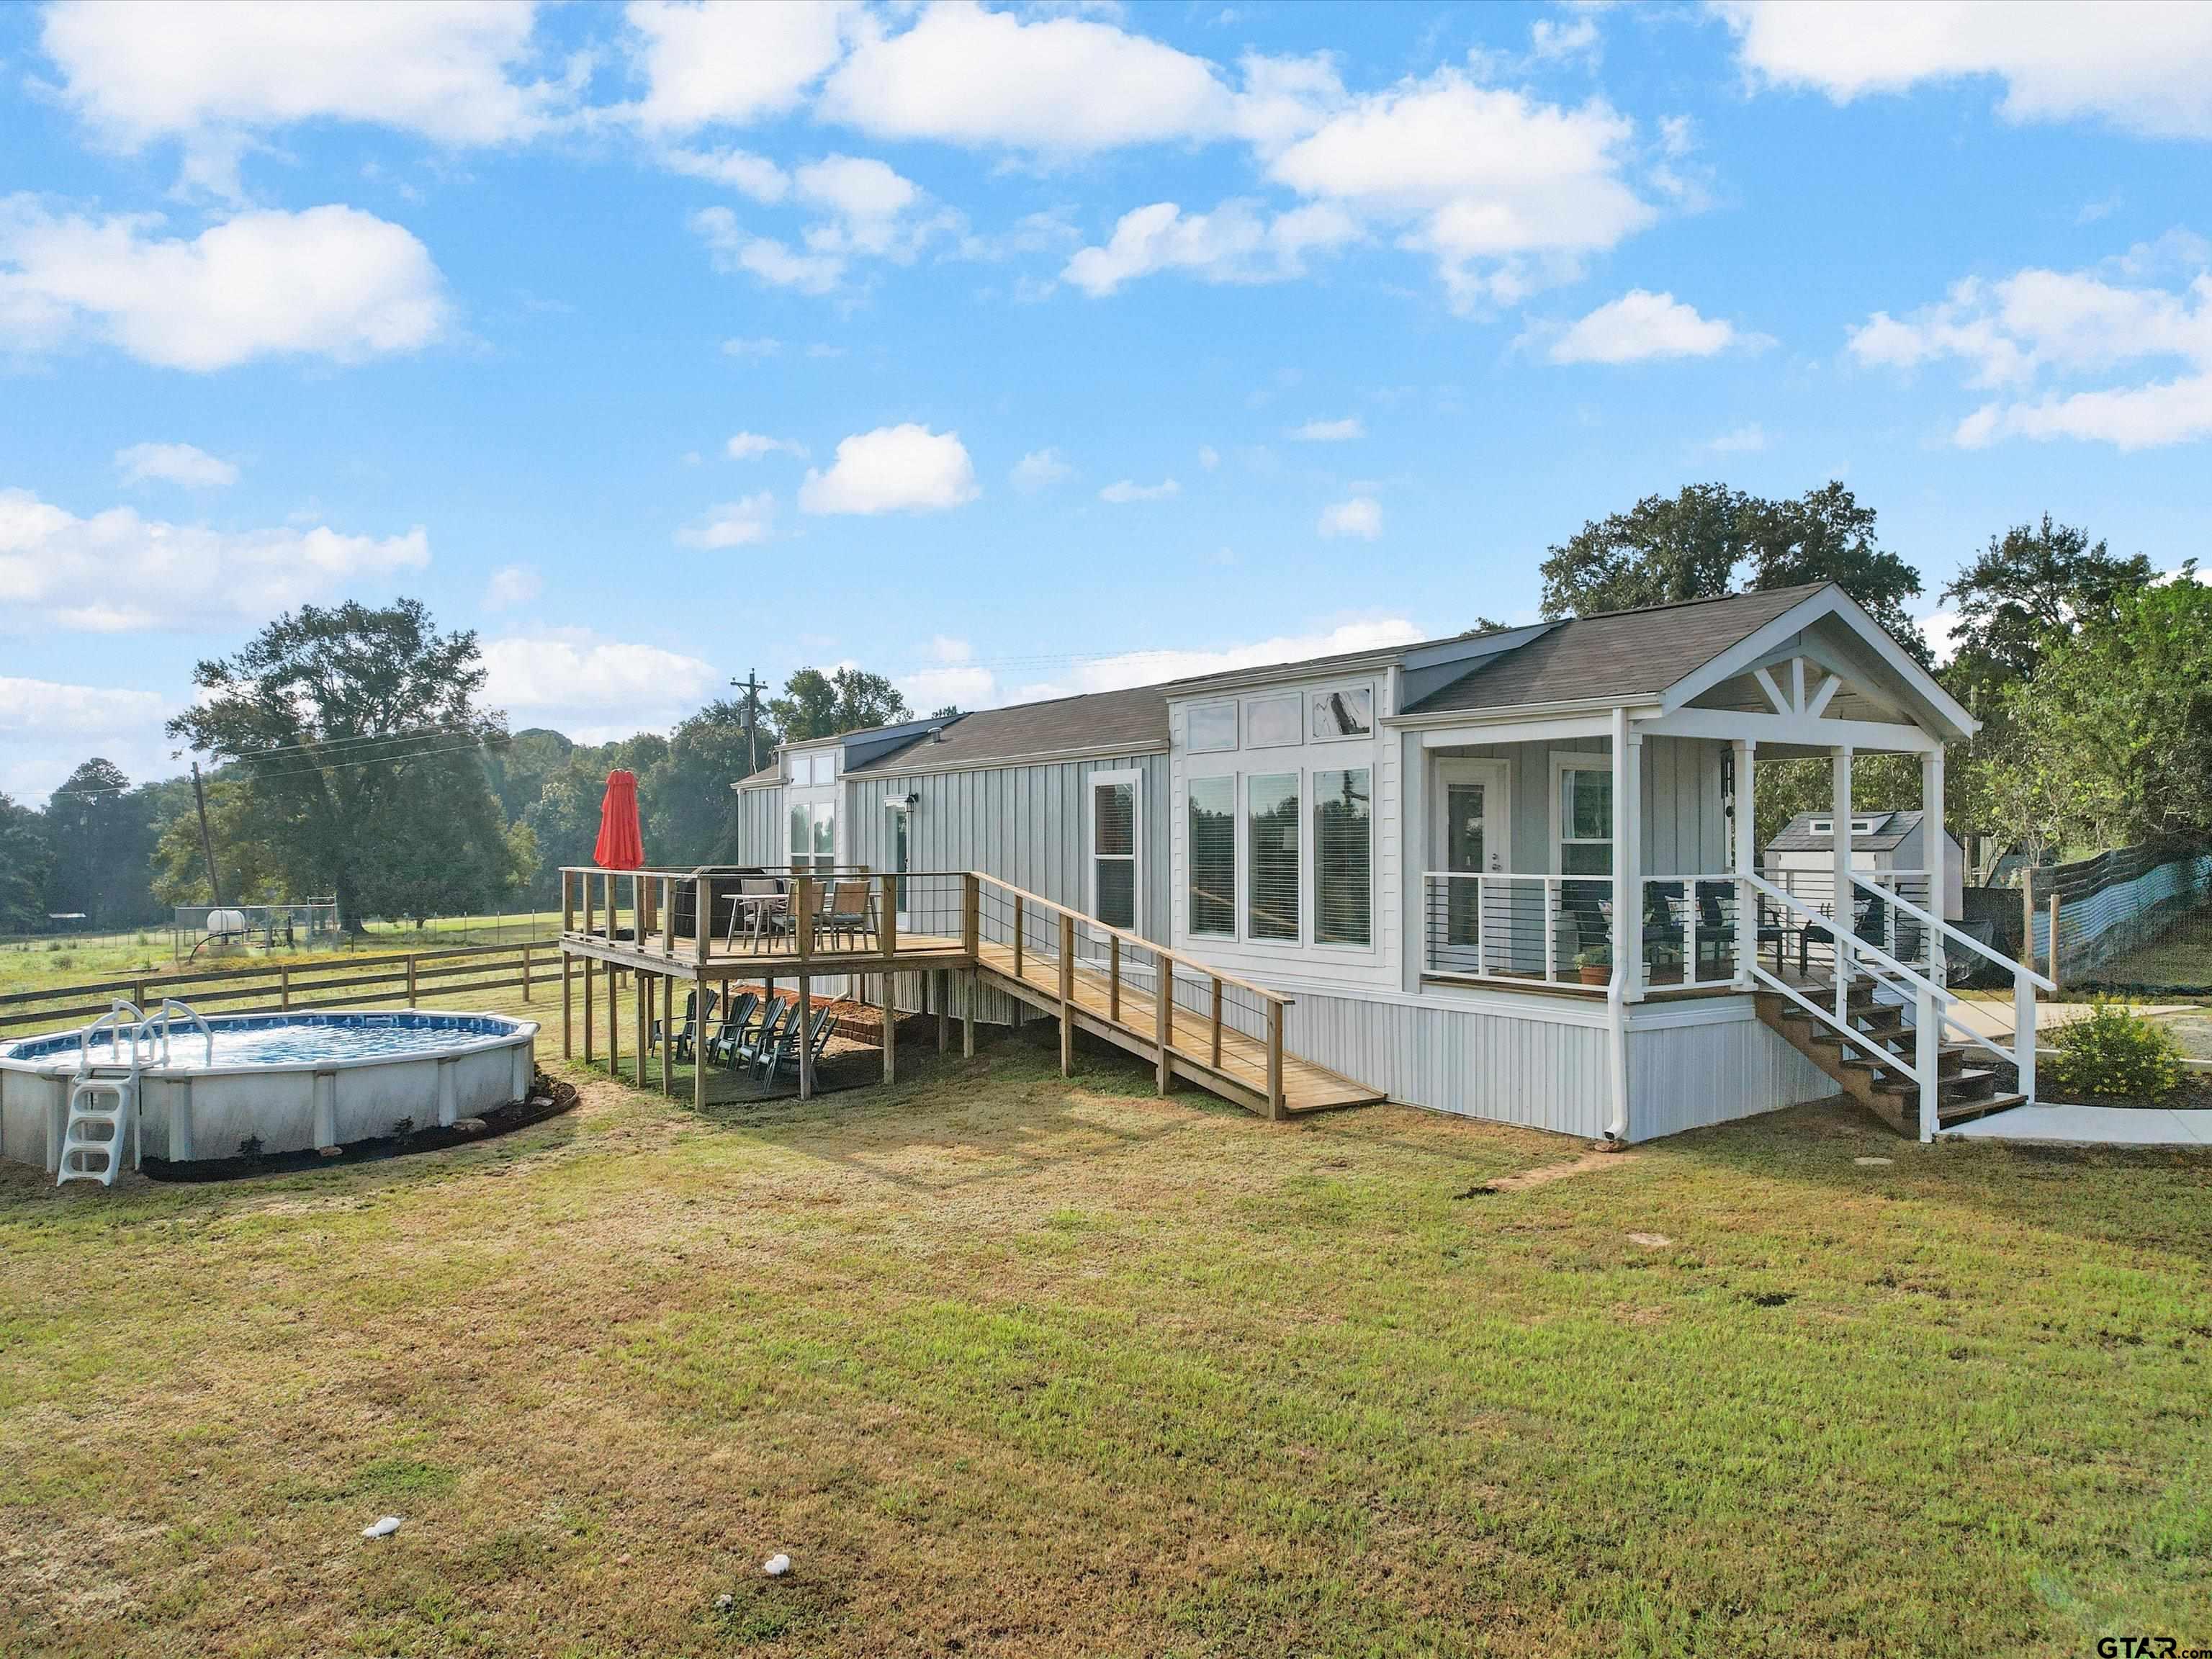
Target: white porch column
x,y
1840,910
1938,858
1746,859
1628,854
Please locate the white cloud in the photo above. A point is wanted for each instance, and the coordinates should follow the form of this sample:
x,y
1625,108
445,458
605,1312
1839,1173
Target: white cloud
x,y
2040,327
952,676
2145,66
1053,85
740,169
1361,516
117,572
177,463
591,688
743,523
1038,469
1330,432
1208,457
1236,242
862,209
1561,40
1120,672
1503,190
511,585
1938,628
761,346
1640,325
330,282
1126,490
45,706
732,63
1746,439
733,248
893,469
46,727
750,446
213,77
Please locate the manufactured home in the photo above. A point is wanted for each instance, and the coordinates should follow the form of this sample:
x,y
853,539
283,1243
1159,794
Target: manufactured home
x,y
1509,874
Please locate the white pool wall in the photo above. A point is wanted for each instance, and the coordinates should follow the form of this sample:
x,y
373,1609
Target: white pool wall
x,y
188,1113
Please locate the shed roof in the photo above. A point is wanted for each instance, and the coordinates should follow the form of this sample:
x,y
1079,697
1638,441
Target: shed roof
x,y
1620,653
1798,835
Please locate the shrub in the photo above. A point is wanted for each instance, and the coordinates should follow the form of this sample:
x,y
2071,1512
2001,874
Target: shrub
x,y
2116,1051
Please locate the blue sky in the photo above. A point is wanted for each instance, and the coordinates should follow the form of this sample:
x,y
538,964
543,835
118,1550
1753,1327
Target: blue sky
x,y
1011,352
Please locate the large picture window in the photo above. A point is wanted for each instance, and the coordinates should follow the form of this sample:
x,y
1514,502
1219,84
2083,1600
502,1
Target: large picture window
x,y
1114,851
1212,805
1344,889
1270,907
813,835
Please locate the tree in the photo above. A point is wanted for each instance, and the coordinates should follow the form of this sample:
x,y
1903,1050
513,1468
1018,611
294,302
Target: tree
x,y
686,796
102,832
1709,540
355,736
2031,586
819,705
24,856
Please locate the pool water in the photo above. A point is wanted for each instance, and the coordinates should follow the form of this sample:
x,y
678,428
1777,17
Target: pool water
x,y
296,1039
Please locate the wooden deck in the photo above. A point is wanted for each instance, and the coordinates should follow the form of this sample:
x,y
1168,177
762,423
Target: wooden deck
x,y
678,955
1239,1072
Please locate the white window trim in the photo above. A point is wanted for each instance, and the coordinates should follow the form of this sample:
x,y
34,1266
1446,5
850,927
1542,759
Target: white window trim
x,y
1311,859
1236,933
1578,760
1315,734
1092,783
1235,724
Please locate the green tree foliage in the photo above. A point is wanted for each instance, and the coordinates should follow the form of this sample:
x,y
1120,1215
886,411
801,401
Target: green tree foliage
x,y
355,737
102,831
689,808
1709,540
251,863
819,705
2110,743
24,856
2032,585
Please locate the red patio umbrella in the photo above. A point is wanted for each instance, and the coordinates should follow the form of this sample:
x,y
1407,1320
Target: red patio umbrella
x,y
620,846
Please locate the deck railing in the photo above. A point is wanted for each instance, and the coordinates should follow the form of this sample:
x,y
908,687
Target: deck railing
x,y
1229,1025
716,911
1490,925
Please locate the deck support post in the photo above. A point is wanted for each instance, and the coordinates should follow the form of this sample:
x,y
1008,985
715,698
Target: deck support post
x,y
1747,859
667,1031
1278,1107
1114,978
1840,910
941,994
567,1005
591,975
614,1016
698,1039
641,1015
890,1029
1066,994
968,1018
805,1048
1164,1019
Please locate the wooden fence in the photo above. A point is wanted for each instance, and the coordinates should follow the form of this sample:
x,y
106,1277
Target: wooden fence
x,y
437,976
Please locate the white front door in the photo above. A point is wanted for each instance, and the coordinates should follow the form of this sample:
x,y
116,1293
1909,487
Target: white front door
x,y
1467,836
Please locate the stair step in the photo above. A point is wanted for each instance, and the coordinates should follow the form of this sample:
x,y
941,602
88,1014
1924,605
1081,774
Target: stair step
x,y
1967,1111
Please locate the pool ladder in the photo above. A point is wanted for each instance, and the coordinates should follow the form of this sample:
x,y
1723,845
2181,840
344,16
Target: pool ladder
x,y
103,1101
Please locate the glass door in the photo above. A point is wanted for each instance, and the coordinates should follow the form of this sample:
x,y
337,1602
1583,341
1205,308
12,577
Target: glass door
x,y
1467,832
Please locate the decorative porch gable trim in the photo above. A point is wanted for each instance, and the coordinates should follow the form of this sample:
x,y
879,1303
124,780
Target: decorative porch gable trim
x,y
1811,732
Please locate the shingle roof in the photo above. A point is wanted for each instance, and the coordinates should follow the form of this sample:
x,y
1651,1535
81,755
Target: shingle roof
x,y
1620,653
1105,722
1797,835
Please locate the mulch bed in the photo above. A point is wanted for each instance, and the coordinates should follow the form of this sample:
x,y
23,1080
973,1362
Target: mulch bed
x,y
547,1098
2195,1094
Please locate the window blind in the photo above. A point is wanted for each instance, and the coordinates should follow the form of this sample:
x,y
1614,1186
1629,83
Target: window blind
x,y
1212,856
1344,889
1271,910
1113,852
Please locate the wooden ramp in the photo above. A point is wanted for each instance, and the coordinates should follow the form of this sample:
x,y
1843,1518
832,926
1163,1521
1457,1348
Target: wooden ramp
x,y
1216,1056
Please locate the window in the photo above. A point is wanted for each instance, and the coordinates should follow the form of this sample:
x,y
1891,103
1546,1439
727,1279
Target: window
x,y
1271,723
1344,889
1270,905
1212,805
1212,727
1113,850
825,766
1586,820
813,835
1347,711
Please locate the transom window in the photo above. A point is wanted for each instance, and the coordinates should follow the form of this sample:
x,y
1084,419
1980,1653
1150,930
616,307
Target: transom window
x,y
1347,711
1271,723
1212,727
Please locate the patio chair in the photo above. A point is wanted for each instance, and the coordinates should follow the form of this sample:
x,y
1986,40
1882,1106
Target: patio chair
x,y
687,1034
762,1040
785,1051
721,1047
850,911
756,916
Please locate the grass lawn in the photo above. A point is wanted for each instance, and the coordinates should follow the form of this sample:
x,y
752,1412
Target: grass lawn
x,y
1012,1365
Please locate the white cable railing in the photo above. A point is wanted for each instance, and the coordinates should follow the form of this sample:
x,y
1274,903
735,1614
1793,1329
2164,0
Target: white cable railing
x,y
1499,925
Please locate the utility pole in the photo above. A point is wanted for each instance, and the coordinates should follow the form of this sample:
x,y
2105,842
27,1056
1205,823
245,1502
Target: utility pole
x,y
752,685
207,842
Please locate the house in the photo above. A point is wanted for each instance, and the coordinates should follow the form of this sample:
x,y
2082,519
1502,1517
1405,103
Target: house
x,y
1509,874
1891,843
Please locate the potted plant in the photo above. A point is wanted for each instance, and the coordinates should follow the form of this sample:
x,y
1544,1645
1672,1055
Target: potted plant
x,y
1595,964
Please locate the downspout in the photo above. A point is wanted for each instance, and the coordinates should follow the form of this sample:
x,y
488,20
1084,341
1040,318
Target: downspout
x,y
1624,893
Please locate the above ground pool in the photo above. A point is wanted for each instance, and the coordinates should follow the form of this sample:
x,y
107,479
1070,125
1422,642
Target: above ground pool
x,y
267,1084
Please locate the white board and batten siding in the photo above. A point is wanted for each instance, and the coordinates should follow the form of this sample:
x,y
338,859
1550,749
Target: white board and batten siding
x,y
1695,1064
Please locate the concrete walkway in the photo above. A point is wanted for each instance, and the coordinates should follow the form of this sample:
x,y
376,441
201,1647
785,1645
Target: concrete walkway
x,y
2092,1126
